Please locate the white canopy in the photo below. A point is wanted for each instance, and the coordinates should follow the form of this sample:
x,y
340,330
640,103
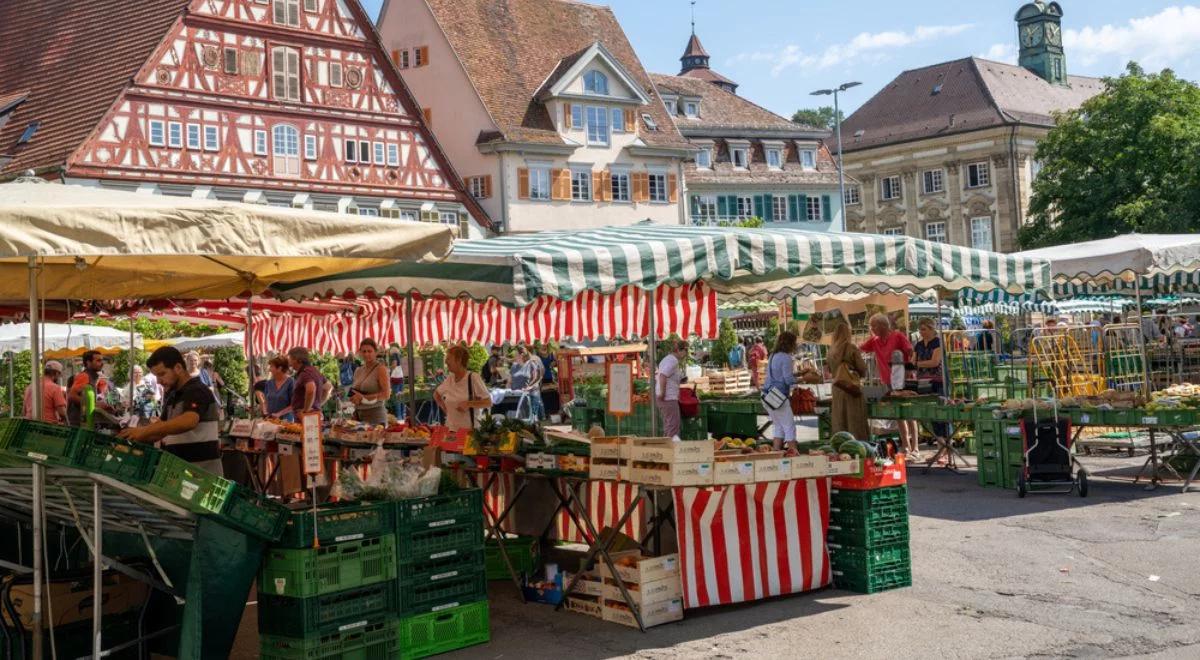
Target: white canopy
x,y
223,340
1121,257
14,337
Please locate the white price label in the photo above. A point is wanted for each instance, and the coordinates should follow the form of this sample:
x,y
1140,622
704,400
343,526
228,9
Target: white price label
x,y
1085,419
1149,420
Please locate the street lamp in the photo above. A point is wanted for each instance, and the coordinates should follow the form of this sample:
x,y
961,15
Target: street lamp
x,y
837,120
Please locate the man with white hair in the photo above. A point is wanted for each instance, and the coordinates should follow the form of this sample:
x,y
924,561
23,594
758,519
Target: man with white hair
x,y
883,342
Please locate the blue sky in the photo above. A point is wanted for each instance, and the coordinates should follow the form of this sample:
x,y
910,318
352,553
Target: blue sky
x,y
780,50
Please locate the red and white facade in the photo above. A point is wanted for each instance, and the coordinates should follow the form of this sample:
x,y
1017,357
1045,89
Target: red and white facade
x,y
284,102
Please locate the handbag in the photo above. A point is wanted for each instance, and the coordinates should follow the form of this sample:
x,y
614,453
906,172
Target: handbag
x,y
847,380
773,399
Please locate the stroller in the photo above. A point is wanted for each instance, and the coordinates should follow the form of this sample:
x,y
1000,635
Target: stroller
x,y
1047,463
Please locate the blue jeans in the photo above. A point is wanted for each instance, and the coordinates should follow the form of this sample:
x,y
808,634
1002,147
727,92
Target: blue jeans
x,y
539,406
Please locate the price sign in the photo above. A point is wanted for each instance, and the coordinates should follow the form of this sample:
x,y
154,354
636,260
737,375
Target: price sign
x,y
620,388
1150,421
310,438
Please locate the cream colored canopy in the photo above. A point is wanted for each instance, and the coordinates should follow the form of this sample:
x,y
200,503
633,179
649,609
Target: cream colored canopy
x,y
93,243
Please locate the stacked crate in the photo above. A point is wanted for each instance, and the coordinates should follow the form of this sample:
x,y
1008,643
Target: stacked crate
x,y
400,579
1000,448
868,539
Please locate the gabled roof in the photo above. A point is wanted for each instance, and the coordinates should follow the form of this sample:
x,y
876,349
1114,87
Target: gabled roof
x,y
695,48
707,75
84,54
510,48
728,113
572,66
961,96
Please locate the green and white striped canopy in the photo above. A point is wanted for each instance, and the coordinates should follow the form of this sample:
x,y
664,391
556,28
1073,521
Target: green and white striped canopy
x,y
739,262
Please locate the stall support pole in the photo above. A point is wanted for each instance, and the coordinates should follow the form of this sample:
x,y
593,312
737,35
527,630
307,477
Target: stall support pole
x,y
409,326
12,384
248,343
35,343
97,571
132,360
653,314
38,566
1137,292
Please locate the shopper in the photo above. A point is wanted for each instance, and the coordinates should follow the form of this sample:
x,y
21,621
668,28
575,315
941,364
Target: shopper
x,y
92,376
847,367
758,353
491,371
54,399
370,386
669,377
737,356
212,380
463,393
311,389
549,362
781,378
396,378
191,419
929,368
883,342
275,396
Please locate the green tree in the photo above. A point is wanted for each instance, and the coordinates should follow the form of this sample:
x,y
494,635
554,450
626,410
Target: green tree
x,y
21,380
726,338
150,328
120,366
771,333
1127,160
821,117
230,362
476,357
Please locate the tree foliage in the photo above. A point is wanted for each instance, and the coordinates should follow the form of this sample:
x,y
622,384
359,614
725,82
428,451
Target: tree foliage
x,y
771,334
120,366
150,328
20,375
1127,160
230,362
726,338
822,117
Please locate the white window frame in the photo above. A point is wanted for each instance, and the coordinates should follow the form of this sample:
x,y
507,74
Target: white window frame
x,y
595,83
364,152
691,109
336,75
174,134
938,236
778,158
976,232
260,142
475,186
577,118
285,81
310,5
618,114
812,208
1035,168
286,12
417,57
404,59
619,186
380,152
212,138
449,218
159,127
310,147
704,158
581,185
393,154
780,211
808,159
661,195
745,152
743,207
933,181
979,175
889,192
853,195
598,118
672,106
706,210
368,211
194,133
350,150
285,150
893,231
539,183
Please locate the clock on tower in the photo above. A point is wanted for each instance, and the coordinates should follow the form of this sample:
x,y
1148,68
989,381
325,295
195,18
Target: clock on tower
x,y
1039,28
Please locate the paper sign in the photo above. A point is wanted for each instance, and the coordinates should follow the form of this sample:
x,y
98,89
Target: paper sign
x,y
620,388
310,436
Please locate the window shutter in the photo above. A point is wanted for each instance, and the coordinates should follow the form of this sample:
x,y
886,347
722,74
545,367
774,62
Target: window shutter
x,y
567,115
803,208
630,120
487,184
604,191
279,72
428,114
558,190
758,206
826,208
793,208
293,74
396,57
643,187
768,208
597,186
695,208
522,183
424,55
673,188
723,207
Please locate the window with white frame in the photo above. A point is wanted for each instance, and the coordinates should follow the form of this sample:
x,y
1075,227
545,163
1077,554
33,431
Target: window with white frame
x,y
380,157
310,147
779,209
935,232
979,175
577,116
287,12
672,106
393,155
310,5
893,231
853,195
175,134
889,188
364,152
369,211
704,158
193,136
286,149
539,183
774,158
350,151
448,218
212,139
808,159
1035,168
597,126
933,181
595,82
285,73
981,233
618,120
739,156
158,133
691,109
260,143
744,207
581,185
658,187
706,209
620,186
477,186
812,208
335,74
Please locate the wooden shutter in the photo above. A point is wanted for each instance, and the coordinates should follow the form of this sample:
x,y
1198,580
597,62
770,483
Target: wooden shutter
x,y
641,186
793,208
723,209
560,186
673,188
522,183
424,50
293,74
487,184
598,186
567,116
279,72
759,203
630,118
396,57
603,189
826,208
428,114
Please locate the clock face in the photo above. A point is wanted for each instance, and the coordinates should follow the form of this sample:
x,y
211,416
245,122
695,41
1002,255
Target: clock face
x,y
1031,35
1053,34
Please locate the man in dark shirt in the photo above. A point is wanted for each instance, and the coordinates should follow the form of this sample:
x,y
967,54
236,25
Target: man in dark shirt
x,y
93,362
312,389
191,417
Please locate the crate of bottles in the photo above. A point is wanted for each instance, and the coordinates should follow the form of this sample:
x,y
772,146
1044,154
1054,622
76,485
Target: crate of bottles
x,y
301,573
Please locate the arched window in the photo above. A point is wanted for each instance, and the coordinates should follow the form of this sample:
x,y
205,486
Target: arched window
x,y
595,82
286,149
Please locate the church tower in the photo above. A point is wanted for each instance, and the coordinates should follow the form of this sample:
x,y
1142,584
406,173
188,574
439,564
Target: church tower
x,y
1039,28
695,62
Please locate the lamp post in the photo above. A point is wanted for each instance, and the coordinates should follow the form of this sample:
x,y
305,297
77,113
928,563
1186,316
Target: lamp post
x,y
837,121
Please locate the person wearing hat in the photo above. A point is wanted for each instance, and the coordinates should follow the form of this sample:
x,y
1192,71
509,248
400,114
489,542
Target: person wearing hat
x,y
54,398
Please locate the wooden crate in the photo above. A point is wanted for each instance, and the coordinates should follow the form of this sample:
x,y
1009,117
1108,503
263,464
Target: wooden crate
x,y
732,382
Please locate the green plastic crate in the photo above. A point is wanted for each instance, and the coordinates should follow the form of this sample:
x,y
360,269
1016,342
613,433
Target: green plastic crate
x,y
883,580
424,513
379,639
254,514
188,486
9,428
317,571
861,500
337,523
867,536
285,616
130,462
444,594
441,632
440,542
441,570
52,444
895,513
864,561
522,552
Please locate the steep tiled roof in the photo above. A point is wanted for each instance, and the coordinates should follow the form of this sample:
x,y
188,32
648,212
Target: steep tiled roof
x,y
960,96
721,110
758,174
695,48
510,47
72,59
707,75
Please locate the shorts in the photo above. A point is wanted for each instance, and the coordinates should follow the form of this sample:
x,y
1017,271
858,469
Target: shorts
x,y
783,423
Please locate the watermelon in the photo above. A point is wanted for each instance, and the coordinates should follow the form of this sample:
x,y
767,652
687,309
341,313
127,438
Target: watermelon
x,y
841,437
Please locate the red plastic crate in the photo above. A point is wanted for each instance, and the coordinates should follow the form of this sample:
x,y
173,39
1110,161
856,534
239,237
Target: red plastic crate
x,y
875,476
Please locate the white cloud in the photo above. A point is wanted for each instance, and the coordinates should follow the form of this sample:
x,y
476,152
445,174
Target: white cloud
x,y
871,46
1002,52
1154,41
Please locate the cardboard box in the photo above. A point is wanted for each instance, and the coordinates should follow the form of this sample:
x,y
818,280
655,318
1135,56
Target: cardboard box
x,y
809,467
646,594
589,605
773,469
589,584
614,447
837,468
571,463
608,469
735,471
665,450
652,615
674,474
648,569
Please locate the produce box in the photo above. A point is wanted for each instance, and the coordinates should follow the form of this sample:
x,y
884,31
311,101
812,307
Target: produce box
x,y
611,447
183,484
423,513
589,605
773,469
733,470
441,632
284,616
378,638
254,514
612,469
864,561
672,474
647,593
865,500
641,570
338,567
863,534
453,566
652,615
442,595
522,552
455,540
836,468
337,522
882,580
52,444
810,467
874,475
130,462
665,450
540,461
589,584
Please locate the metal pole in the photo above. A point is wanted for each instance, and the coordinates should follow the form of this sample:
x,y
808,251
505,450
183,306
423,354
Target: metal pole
x,y
837,119
38,567
12,384
97,573
132,361
409,326
653,317
248,342
1137,292
35,336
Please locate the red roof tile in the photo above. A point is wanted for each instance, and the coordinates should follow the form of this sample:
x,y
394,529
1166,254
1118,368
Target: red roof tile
x,y
695,48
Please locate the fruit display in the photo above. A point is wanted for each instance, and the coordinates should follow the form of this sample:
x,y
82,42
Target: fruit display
x,y
1177,397
503,435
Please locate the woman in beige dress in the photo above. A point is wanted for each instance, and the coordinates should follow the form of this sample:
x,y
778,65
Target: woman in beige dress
x,y
849,411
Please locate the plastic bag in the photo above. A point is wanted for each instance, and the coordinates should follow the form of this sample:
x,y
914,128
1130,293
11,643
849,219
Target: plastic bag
x,y
390,478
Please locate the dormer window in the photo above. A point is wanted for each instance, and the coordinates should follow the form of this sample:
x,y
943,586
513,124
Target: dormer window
x,y
704,158
595,82
739,156
691,109
808,159
672,106
774,159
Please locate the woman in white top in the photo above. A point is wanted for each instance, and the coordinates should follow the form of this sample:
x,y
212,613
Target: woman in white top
x,y
462,393
670,374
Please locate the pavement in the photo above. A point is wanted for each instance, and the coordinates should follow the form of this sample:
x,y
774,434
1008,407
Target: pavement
x,y
1114,575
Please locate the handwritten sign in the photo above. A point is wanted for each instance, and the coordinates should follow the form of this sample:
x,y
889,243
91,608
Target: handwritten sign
x,y
310,437
620,389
